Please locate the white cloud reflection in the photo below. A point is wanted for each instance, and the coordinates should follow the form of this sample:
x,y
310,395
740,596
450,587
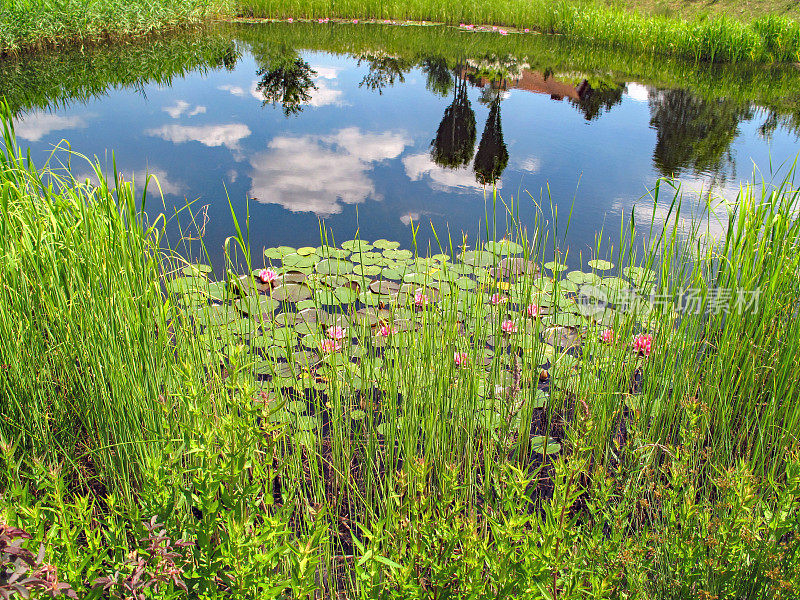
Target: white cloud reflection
x,y
232,89
139,177
228,135
181,107
637,92
38,124
420,166
322,96
320,173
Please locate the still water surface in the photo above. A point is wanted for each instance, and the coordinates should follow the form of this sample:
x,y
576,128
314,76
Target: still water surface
x,y
375,142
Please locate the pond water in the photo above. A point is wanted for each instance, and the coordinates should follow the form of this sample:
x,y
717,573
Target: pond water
x,y
371,129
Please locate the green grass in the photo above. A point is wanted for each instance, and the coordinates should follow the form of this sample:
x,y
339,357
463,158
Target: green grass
x,y
136,385
772,37
30,24
767,39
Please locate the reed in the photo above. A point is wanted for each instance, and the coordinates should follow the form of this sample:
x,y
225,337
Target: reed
x,y
30,24
718,39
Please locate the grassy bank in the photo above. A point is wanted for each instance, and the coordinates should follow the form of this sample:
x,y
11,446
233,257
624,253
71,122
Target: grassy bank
x,y
390,423
31,24
766,39
772,35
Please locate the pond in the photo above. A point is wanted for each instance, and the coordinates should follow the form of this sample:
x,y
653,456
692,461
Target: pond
x,y
374,129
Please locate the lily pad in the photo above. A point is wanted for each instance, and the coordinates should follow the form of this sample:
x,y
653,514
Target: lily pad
x,y
400,254
503,247
186,285
601,265
544,445
385,244
356,245
478,258
291,292
333,266
555,267
278,253
257,306
195,270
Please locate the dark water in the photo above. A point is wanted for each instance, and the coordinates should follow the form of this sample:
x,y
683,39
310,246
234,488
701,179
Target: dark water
x,y
374,128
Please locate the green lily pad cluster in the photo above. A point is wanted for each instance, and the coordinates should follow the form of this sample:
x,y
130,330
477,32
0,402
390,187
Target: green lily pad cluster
x,y
332,319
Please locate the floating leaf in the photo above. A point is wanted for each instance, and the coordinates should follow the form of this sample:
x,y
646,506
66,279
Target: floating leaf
x,y
367,270
186,285
398,254
299,262
600,265
478,258
581,278
196,270
296,406
555,267
291,292
356,245
385,244
277,253
346,294
503,247
543,445
333,266
257,306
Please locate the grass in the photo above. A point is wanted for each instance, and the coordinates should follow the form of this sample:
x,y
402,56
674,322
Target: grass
x,y
687,34
31,24
138,385
744,11
767,39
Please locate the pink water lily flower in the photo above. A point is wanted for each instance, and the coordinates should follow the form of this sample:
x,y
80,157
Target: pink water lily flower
x,y
328,346
503,32
387,330
420,300
642,344
494,28
535,311
607,336
498,299
355,20
527,31
267,275
508,326
290,20
336,333
460,358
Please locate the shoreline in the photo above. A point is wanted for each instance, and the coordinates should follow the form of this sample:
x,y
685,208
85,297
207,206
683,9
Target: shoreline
x,y
768,40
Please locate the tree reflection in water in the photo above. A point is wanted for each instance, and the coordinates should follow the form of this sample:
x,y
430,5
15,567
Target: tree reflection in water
x,y
454,143
384,72
693,133
287,80
492,156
